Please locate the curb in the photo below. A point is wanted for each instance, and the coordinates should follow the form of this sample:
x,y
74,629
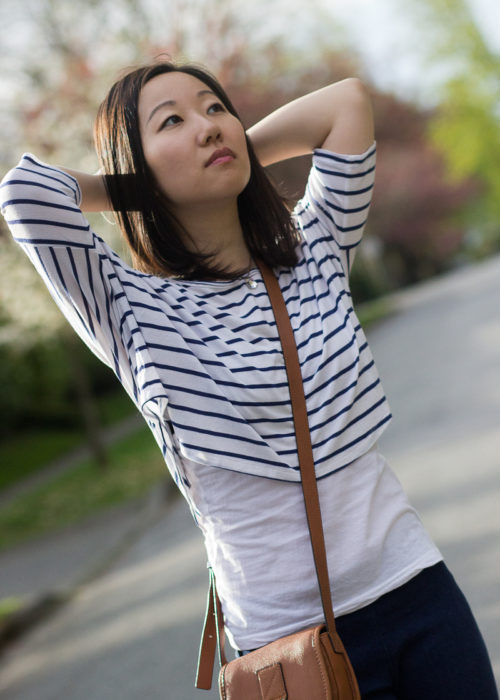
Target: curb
x,y
41,606
27,616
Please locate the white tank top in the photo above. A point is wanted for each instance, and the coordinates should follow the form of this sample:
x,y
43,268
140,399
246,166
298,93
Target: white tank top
x,y
258,544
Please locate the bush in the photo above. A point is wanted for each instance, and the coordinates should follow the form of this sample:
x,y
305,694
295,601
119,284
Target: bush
x,y
37,384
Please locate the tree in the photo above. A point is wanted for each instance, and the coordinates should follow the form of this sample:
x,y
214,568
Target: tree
x,y
416,209
75,53
466,124
79,48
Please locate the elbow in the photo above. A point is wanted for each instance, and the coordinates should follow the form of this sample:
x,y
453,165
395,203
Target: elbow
x,y
351,118
350,98
356,92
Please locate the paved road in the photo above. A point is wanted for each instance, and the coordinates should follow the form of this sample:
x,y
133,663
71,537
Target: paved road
x,y
440,362
133,632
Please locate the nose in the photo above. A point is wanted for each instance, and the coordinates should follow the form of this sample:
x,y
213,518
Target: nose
x,y
208,131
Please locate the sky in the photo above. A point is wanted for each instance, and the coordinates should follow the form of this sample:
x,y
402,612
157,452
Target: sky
x,y
393,52
383,32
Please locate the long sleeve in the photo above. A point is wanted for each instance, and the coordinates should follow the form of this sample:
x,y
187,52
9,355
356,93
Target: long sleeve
x,y
40,204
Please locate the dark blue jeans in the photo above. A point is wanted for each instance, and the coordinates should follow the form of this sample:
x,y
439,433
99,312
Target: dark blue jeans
x,y
419,642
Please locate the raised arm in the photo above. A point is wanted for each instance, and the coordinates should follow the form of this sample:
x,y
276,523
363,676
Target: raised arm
x,y
93,189
337,117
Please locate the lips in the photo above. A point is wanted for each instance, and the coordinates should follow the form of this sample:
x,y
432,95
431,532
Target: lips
x,y
220,154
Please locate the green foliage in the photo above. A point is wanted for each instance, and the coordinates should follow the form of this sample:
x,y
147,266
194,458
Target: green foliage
x,y
467,129
367,280
78,51
38,387
26,452
466,125
374,311
8,606
35,384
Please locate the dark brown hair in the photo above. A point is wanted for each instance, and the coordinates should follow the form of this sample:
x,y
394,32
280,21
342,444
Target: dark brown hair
x,y
155,236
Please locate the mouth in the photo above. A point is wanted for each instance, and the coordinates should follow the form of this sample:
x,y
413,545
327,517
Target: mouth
x,y
223,155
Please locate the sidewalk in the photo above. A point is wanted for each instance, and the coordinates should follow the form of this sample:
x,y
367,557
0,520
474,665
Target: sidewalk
x,y
47,571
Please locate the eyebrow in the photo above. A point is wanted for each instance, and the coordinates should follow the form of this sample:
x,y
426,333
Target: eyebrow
x,y
172,103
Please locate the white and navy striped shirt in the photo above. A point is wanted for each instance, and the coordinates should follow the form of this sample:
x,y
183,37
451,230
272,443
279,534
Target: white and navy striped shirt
x,y
202,360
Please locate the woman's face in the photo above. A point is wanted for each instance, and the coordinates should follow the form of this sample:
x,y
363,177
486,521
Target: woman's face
x,y
195,148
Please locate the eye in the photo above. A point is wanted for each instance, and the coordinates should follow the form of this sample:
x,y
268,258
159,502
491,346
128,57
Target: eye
x,y
171,120
216,107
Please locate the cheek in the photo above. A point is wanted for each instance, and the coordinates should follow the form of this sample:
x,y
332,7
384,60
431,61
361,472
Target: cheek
x,y
167,165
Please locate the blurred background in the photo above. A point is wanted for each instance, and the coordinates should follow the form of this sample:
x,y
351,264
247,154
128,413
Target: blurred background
x,y
433,68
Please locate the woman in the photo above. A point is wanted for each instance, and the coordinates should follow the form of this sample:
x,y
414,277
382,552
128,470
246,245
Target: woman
x,y
190,333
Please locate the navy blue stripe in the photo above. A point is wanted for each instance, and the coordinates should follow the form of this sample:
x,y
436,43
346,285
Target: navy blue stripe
x,y
142,305
352,422
332,357
335,397
64,286
330,419
350,176
111,329
349,247
62,177
77,278
342,229
215,433
256,353
336,376
92,287
41,203
236,455
207,414
356,441
342,210
337,434
219,397
157,294
218,381
47,222
350,193
345,409
31,183
50,242
310,224
48,278
340,159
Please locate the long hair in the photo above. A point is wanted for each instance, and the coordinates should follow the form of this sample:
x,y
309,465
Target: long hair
x,y
155,236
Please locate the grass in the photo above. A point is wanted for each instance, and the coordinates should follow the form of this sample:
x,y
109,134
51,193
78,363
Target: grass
x,y
370,312
9,606
25,453
29,451
115,407
135,466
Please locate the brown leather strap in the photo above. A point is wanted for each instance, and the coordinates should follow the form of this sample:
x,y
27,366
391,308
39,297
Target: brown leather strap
x,y
213,634
214,626
303,438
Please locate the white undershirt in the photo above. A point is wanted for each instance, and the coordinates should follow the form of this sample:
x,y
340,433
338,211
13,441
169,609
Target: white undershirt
x,y
258,544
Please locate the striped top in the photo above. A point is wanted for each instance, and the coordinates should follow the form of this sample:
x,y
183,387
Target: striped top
x,y
202,360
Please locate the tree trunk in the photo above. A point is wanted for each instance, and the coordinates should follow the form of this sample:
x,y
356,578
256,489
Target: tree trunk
x,y
87,405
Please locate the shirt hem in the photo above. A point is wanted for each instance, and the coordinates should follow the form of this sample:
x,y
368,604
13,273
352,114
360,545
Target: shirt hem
x,y
403,577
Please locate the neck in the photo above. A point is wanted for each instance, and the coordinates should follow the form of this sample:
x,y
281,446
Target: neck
x,y
217,230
